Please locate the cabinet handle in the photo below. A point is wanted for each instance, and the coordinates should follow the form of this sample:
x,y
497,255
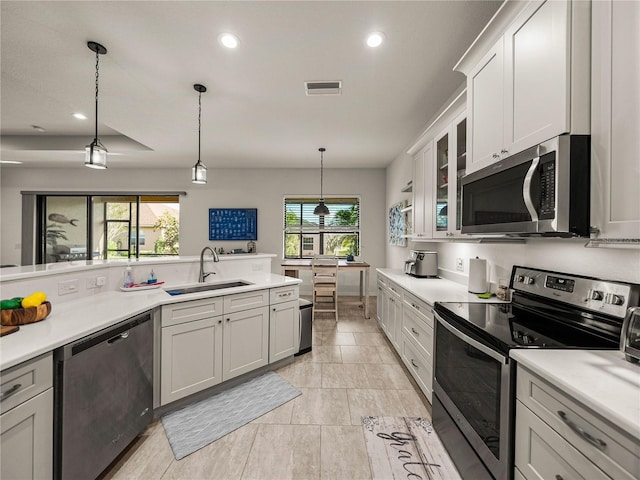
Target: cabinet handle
x,y
219,321
414,363
596,442
284,294
11,391
495,155
415,306
504,151
414,331
228,319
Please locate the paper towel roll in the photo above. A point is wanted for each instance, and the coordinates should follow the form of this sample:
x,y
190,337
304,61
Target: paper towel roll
x,y
477,275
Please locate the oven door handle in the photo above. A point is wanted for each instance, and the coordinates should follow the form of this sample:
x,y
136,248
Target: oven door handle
x,y
474,343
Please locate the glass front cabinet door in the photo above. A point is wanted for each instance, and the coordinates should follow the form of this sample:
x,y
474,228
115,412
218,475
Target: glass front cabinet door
x,y
450,167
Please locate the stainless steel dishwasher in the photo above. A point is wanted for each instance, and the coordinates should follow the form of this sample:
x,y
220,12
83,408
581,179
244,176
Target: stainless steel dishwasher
x,y
103,396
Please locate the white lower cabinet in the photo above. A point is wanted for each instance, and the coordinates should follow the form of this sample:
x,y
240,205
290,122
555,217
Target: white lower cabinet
x,y
394,315
417,332
209,341
191,358
558,438
26,420
408,323
284,330
245,342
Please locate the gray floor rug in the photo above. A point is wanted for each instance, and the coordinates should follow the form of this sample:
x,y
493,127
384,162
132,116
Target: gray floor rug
x,y
406,447
197,425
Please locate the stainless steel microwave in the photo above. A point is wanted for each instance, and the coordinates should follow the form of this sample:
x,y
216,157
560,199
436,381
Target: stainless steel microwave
x,y
544,190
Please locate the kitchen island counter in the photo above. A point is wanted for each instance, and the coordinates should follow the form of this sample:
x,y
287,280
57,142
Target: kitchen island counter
x,y
70,321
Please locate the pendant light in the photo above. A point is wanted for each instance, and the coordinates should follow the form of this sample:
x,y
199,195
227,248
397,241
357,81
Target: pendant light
x,y
321,209
199,170
95,152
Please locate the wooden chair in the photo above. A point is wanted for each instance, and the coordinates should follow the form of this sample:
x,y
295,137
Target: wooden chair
x,y
324,274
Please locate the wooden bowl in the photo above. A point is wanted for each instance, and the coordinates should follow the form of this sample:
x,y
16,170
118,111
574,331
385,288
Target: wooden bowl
x,y
22,316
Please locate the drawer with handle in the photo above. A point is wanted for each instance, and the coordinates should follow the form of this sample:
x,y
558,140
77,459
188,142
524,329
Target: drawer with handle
x,y
25,381
420,307
414,327
283,294
419,367
610,449
541,453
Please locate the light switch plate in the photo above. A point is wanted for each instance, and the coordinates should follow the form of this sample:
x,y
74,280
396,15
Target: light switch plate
x,y
460,264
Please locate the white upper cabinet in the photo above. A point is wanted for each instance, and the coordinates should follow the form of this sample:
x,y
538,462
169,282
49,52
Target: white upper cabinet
x,y
615,141
527,78
422,192
537,69
450,167
439,162
485,92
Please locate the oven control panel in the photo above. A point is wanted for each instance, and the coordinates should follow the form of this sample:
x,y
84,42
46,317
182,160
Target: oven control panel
x,y
611,298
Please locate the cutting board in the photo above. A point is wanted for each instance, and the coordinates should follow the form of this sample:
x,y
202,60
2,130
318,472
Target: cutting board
x,y
5,330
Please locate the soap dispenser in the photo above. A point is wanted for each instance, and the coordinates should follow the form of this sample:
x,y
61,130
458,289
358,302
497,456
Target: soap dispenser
x,y
152,278
128,277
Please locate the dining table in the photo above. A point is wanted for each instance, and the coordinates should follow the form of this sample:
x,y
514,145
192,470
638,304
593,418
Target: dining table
x,y
291,267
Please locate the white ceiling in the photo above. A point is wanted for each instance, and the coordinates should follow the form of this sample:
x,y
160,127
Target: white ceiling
x,y
255,112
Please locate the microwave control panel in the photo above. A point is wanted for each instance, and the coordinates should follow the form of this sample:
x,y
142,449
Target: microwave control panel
x,y
547,186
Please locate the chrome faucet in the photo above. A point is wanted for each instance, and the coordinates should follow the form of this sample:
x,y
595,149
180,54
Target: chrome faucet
x,y
204,274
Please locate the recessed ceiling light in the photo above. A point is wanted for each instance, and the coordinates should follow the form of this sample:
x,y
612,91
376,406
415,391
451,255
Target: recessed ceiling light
x,y
80,116
375,39
229,40
11,162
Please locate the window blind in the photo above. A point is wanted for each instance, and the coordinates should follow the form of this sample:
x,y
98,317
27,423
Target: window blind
x,y
344,215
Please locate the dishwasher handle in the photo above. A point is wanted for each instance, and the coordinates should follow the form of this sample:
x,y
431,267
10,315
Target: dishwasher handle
x,y
110,335
121,336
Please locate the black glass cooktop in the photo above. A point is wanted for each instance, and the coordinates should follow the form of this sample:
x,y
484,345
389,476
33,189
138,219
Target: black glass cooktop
x,y
515,325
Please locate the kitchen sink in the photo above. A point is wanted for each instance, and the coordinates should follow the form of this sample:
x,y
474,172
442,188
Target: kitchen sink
x,y
206,287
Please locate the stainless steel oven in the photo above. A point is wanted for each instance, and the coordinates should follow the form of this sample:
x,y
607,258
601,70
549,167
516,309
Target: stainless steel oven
x,y
473,383
474,378
541,191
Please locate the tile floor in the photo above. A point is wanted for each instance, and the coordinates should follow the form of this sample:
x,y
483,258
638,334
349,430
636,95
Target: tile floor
x,y
352,371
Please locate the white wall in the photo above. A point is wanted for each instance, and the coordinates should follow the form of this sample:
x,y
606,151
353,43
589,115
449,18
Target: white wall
x,y
242,188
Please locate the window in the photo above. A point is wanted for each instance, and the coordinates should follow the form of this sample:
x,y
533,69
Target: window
x,y
306,234
85,227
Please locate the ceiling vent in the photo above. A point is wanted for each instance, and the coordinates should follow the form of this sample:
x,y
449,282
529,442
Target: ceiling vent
x,y
330,87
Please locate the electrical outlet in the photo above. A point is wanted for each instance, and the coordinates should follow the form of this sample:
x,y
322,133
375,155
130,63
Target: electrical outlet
x,y
459,264
92,283
101,281
69,286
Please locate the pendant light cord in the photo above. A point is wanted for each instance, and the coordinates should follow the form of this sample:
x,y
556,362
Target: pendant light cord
x,y
97,78
199,120
321,173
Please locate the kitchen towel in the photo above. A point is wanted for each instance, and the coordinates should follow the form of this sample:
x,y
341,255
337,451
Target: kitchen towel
x,y
477,275
203,422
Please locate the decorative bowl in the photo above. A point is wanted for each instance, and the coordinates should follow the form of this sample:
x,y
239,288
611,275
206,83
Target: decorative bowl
x,y
22,316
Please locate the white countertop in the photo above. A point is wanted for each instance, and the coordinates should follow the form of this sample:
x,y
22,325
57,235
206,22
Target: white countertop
x,y
70,321
601,380
433,290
